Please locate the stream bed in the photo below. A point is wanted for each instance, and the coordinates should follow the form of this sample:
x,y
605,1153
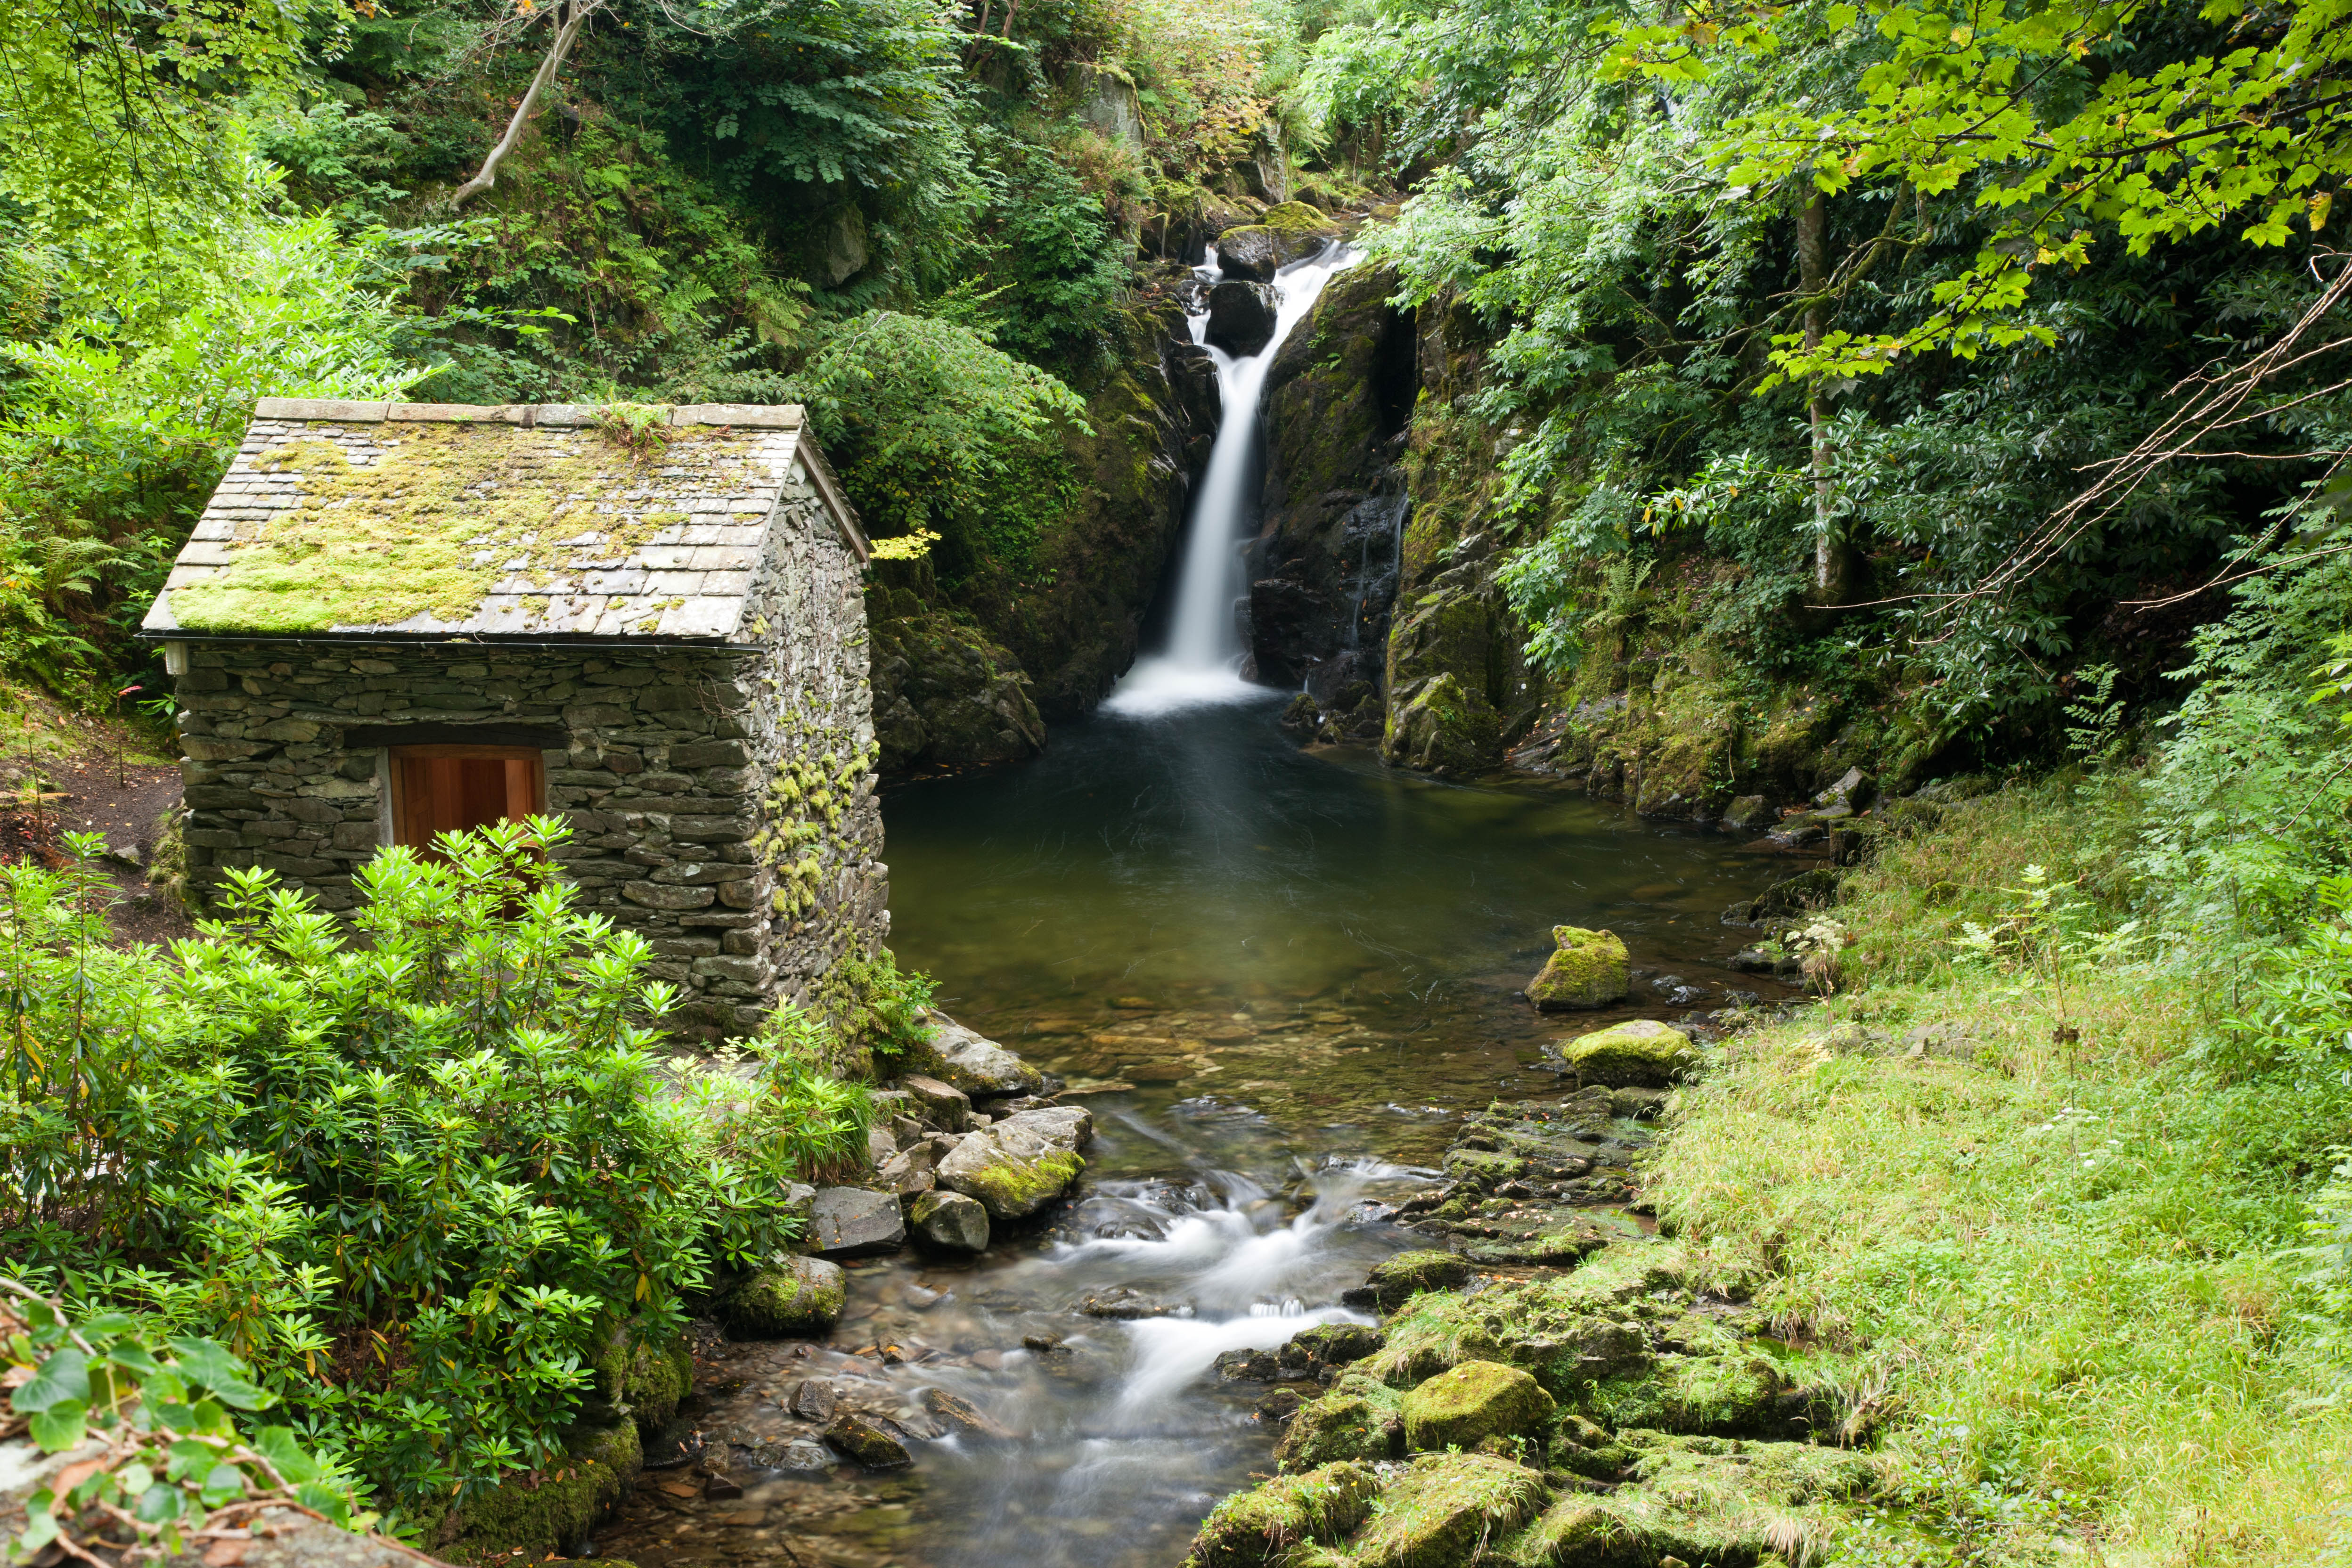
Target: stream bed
x,y
1278,979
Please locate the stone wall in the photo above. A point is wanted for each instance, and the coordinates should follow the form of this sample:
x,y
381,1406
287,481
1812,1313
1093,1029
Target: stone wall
x,y
722,801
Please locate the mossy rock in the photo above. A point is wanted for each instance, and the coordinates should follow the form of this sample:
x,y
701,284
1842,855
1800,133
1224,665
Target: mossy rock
x,y
1639,1054
1298,217
1267,1524
793,1298
1397,1280
515,1517
1473,1401
1588,969
658,1378
1445,1509
1359,1419
1490,1165
1701,1501
1735,1392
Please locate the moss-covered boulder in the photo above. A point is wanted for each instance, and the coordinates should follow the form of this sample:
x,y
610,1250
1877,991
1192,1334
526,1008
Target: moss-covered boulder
x,y
657,1380
1701,1501
521,1518
1641,1053
1396,1280
793,1298
1358,1419
1445,1510
1587,969
868,1441
1268,1524
1734,1391
1330,1345
1473,1401
1018,1166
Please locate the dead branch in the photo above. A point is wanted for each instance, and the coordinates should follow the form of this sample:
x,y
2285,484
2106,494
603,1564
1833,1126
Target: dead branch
x,y
571,17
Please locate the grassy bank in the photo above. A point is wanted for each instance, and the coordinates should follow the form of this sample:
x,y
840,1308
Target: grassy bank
x,y
2053,1247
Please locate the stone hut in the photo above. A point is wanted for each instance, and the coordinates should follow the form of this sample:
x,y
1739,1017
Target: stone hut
x,y
396,619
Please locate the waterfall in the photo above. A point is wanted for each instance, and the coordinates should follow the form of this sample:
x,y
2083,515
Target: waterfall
x,y
1201,662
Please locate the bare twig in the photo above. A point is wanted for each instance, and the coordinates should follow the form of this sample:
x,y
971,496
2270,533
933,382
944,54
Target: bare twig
x,y
571,17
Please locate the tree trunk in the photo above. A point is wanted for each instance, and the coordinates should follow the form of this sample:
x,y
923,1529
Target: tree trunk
x,y
1834,562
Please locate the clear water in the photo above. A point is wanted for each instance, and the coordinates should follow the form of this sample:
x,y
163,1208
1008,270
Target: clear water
x,y
1278,979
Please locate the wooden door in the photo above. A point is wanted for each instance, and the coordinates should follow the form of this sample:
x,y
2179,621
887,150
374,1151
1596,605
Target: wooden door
x,y
447,789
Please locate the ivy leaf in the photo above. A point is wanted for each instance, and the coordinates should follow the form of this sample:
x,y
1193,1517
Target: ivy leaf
x,y
225,1485
60,1426
65,1375
158,1504
200,1361
277,1445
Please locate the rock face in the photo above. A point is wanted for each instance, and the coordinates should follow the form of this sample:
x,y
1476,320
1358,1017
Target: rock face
x,y
949,1221
970,1063
944,694
1291,232
1242,316
1475,1401
1324,568
1587,969
797,1298
1642,1053
850,1222
1023,1163
1108,104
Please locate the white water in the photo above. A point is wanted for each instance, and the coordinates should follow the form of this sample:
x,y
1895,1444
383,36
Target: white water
x,y
1203,661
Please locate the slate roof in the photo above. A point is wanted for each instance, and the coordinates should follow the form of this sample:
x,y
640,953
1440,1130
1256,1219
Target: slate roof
x,y
547,520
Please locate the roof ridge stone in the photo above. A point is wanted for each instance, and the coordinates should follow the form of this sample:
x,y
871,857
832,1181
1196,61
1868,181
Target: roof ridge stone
x,y
742,415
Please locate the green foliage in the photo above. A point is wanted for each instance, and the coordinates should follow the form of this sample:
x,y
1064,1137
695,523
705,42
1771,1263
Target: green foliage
x,y
878,1004
416,1170
931,427
176,1469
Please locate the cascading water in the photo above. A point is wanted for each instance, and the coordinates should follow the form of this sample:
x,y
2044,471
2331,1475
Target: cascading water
x,y
1202,662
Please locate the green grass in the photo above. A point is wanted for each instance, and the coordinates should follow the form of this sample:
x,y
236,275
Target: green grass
x,y
2052,1273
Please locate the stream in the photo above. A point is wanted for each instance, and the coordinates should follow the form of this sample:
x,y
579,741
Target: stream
x,y
1278,979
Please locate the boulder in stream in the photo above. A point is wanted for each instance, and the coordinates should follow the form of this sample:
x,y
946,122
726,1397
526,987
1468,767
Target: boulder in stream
x,y
949,1221
850,1222
793,1298
1641,1053
1020,1164
970,1062
1395,1280
1242,316
1587,969
867,1441
1440,1509
1266,1526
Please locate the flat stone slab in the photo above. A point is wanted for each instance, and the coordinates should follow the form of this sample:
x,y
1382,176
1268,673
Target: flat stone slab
x,y
850,1222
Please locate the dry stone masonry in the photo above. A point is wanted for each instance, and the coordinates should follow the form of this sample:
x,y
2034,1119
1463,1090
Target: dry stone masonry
x,y
671,624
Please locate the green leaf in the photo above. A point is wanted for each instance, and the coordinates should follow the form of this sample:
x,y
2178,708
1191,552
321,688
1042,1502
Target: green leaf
x,y
225,1485
65,1375
132,1356
201,1361
277,1445
324,1499
60,1426
106,1326
158,1504
40,1522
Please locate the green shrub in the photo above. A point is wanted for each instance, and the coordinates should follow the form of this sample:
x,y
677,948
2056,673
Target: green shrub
x,y
417,1169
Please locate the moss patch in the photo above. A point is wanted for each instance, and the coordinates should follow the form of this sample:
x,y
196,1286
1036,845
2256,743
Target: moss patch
x,y
797,1298
442,514
1359,1419
1473,1402
1589,968
1443,1510
1262,1526
1642,1053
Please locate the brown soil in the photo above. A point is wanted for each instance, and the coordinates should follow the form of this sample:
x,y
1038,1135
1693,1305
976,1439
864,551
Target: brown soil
x,y
62,773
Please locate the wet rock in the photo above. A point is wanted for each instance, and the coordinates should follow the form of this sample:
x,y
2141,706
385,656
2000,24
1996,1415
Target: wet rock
x,y
1642,1053
1852,790
867,1441
964,1416
1266,1525
1123,1303
944,693
909,1172
1257,252
1636,1104
1279,1406
1587,969
1438,1511
815,1400
794,1298
881,1145
1017,1166
850,1222
1746,814
803,1456
719,1488
1328,1346
949,1221
1242,316
1396,1280
1473,1401
1247,1365
936,1104
970,1062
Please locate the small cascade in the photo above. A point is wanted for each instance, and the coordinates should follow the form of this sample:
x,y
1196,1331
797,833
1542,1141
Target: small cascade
x,y
1202,662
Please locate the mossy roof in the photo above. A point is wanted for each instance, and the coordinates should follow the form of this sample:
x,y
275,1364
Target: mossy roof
x,y
521,521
